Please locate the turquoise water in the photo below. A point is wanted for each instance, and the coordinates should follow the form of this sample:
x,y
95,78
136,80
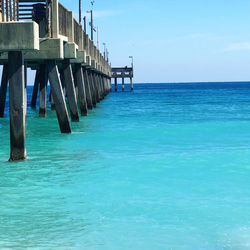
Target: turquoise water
x,y
164,167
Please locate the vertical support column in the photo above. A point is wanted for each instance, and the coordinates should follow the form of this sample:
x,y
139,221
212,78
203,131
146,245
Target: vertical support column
x,y
88,90
95,87
35,89
57,93
25,89
104,85
52,103
131,84
43,90
3,89
101,86
55,19
92,88
62,81
71,93
81,89
115,84
16,101
123,83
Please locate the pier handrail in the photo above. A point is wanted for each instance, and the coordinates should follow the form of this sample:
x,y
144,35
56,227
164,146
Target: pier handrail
x,y
57,22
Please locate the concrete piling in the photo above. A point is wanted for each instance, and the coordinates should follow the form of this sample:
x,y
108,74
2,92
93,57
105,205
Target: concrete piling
x,y
71,93
52,103
3,89
16,102
94,101
95,87
87,89
81,89
115,84
131,84
59,98
101,86
43,90
35,89
123,87
25,90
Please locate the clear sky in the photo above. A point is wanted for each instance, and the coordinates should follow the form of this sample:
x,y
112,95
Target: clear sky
x,y
176,40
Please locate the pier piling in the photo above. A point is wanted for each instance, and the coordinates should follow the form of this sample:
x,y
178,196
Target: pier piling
x,y
87,90
71,93
35,89
131,84
115,84
3,89
59,98
94,101
123,84
81,89
16,102
43,90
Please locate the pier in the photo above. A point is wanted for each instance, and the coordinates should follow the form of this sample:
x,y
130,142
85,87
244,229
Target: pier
x,y
122,73
44,36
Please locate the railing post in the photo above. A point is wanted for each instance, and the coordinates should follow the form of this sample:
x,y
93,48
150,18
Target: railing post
x,y
80,45
70,27
55,19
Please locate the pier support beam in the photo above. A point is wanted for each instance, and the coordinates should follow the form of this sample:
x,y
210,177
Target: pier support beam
x,y
115,84
97,87
3,89
16,100
52,103
123,87
101,86
57,93
92,87
43,90
25,89
35,89
87,89
81,89
131,84
71,93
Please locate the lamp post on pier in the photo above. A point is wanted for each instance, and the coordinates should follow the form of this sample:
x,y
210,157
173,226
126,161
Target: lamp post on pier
x,y
132,61
80,11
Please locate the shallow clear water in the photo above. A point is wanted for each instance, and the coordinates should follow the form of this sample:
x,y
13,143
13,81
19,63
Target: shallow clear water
x,y
164,167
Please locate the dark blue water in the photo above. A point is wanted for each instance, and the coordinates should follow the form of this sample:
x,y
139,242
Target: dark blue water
x,y
164,167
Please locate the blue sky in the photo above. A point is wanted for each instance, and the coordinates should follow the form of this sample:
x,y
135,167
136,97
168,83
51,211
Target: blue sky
x,y
176,40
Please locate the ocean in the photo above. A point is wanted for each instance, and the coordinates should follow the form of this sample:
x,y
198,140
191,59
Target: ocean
x,y
164,167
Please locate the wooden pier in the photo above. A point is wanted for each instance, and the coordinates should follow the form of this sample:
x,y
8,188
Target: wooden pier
x,y
44,36
125,72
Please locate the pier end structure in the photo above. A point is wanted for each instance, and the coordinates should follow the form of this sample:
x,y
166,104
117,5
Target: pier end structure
x,y
123,72
44,36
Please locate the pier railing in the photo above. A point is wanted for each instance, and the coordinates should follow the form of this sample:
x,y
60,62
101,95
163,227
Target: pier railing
x,y
9,10
55,21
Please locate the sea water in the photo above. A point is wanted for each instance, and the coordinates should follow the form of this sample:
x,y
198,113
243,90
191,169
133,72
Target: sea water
x,y
164,167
